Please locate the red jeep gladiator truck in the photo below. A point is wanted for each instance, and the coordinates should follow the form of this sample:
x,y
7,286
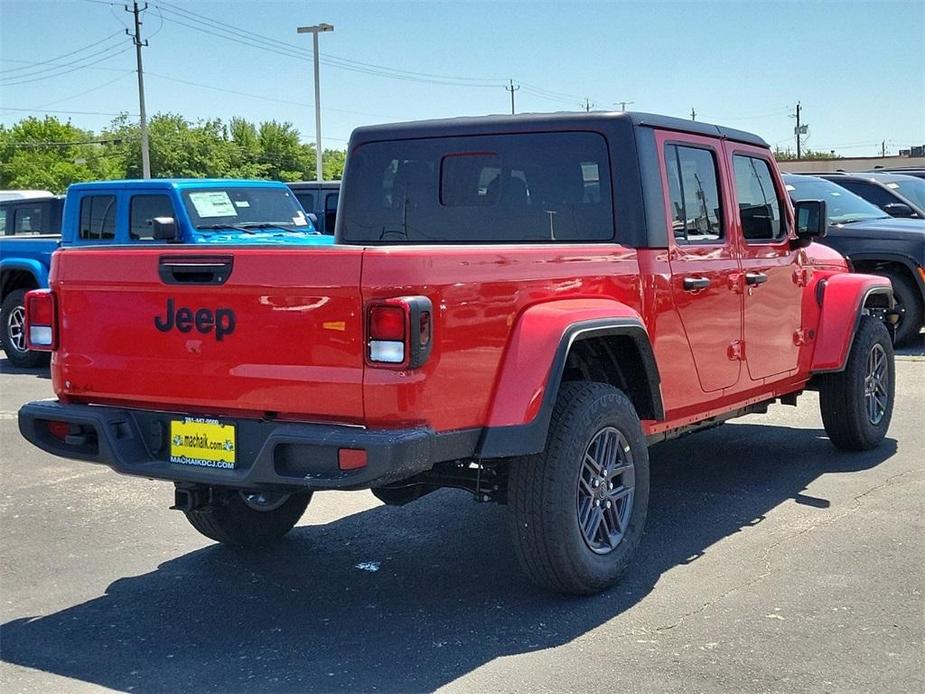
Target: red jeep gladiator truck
x,y
516,306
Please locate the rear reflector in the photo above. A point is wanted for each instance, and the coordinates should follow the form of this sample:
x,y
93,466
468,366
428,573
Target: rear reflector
x,y
59,430
351,458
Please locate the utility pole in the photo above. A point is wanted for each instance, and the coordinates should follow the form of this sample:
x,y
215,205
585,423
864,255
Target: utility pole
x,y
693,114
883,149
586,105
799,129
136,39
512,89
314,30
624,104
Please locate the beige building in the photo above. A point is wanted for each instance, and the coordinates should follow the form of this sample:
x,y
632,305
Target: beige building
x,y
852,164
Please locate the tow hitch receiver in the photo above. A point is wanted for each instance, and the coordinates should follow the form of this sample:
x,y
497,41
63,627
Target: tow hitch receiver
x,y
196,497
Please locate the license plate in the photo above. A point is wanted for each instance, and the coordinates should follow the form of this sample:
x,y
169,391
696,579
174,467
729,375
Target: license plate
x,y
203,442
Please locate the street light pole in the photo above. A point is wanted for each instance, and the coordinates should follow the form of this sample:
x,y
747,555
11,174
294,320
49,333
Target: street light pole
x,y
314,30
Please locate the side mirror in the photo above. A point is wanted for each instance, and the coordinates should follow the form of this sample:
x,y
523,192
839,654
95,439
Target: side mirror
x,y
165,228
811,222
313,218
898,209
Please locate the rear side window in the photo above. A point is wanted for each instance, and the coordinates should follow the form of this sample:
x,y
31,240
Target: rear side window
x,y
143,209
307,201
759,206
529,188
330,212
2,220
696,214
869,191
30,219
98,217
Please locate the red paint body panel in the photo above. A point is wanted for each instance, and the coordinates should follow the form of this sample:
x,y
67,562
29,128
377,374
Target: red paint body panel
x,y
524,373
296,345
842,301
478,294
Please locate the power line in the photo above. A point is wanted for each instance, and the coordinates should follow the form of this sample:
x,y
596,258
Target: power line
x,y
69,113
276,43
63,55
35,145
85,92
262,97
119,51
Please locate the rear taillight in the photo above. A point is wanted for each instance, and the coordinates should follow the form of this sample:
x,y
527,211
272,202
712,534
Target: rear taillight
x,y
399,332
41,320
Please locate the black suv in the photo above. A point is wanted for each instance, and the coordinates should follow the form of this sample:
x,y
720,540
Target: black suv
x,y
873,242
896,194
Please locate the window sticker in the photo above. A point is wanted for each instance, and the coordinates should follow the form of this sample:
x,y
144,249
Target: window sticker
x,y
241,203
213,204
299,219
892,185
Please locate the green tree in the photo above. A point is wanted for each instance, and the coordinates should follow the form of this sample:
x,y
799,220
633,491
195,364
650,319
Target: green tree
x,y
286,158
333,164
48,154
805,155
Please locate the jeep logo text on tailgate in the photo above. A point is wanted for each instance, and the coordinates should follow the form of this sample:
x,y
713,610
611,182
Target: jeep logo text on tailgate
x,y
203,319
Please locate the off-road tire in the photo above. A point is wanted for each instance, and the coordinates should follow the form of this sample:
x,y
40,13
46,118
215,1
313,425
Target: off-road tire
x,y
235,523
842,395
27,359
909,302
543,493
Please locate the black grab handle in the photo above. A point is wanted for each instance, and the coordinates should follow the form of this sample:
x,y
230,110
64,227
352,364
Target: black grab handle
x,y
195,269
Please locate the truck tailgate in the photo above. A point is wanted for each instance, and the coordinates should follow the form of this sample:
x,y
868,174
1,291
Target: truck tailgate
x,y
261,330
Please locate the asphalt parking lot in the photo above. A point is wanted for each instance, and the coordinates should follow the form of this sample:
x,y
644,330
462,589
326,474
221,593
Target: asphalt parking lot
x,y
771,562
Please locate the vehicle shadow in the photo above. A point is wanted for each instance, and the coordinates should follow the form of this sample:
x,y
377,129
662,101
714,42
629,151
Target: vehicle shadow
x,y
6,367
447,598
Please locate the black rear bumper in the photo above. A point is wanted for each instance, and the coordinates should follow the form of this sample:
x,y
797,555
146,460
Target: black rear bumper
x,y
270,454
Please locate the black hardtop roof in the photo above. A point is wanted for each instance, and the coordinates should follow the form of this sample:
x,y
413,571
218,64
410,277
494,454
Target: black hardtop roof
x,y
537,122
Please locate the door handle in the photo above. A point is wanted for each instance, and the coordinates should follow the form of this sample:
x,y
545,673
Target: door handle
x,y
755,278
693,284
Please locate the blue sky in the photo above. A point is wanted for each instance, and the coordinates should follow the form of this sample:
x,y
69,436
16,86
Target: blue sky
x,y
858,68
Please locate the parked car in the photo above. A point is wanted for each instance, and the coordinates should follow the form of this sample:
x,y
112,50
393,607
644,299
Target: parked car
x,y
320,199
193,211
516,306
24,194
909,171
38,215
896,194
875,243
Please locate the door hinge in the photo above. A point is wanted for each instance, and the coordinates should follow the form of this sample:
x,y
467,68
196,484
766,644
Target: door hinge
x,y
802,276
736,350
802,336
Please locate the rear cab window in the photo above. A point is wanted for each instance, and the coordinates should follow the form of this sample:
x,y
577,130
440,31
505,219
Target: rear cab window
x,y
528,188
